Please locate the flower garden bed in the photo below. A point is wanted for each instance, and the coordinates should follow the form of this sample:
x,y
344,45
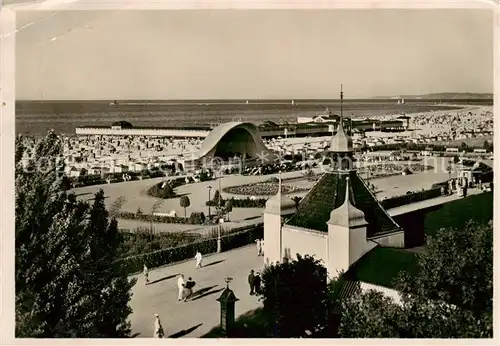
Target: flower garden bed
x,y
266,188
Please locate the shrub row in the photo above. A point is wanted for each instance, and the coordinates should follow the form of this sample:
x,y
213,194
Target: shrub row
x,y
165,190
96,179
143,240
159,258
240,202
411,198
196,218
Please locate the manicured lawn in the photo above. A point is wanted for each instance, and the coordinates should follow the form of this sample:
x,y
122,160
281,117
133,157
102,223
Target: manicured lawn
x,y
478,208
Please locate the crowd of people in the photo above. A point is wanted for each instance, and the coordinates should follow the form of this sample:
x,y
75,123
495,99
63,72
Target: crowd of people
x,y
479,119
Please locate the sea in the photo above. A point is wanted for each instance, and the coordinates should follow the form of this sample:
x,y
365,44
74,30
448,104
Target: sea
x,y
37,117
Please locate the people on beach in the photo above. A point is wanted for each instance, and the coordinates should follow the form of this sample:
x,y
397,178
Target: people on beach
x,y
198,257
145,272
158,331
180,287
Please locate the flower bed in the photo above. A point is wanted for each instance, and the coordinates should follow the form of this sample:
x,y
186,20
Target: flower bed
x,y
241,237
266,188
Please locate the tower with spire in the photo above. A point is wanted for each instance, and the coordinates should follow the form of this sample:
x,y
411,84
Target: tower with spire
x,y
346,234
277,208
341,152
338,221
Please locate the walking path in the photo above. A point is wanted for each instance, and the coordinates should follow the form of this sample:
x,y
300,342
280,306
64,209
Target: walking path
x,y
194,318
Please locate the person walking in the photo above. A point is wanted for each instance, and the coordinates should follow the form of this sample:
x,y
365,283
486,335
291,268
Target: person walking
x,y
198,257
158,332
145,272
180,286
251,279
257,283
262,247
259,247
188,289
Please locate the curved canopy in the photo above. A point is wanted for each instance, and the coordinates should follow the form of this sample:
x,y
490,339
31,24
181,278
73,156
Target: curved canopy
x,y
234,138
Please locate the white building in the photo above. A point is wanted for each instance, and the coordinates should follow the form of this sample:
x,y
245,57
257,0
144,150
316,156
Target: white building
x,y
338,221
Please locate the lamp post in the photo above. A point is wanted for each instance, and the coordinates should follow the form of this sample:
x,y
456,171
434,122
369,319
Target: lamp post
x,y
221,220
209,187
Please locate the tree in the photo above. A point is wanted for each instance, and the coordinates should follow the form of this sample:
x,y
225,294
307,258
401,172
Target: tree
x,y
217,198
450,294
295,295
185,202
228,206
67,284
487,145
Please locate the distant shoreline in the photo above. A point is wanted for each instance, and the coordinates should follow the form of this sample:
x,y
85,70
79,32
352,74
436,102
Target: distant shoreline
x,y
39,117
486,100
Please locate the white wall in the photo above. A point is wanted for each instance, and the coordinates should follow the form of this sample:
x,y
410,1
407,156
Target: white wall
x,y
338,250
304,242
358,245
272,224
392,240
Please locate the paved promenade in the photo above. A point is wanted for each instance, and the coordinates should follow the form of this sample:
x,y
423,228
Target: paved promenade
x,y
195,318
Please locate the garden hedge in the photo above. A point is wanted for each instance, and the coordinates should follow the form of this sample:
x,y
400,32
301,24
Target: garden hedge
x,y
192,219
411,198
241,202
134,264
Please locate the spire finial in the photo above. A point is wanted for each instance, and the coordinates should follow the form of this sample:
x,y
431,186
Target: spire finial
x,y
341,99
347,190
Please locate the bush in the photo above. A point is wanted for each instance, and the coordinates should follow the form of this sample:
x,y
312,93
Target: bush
x,y
155,218
197,218
134,264
411,198
162,190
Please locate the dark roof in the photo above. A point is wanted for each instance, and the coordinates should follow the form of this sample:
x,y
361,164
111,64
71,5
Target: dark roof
x,y
329,193
382,265
122,123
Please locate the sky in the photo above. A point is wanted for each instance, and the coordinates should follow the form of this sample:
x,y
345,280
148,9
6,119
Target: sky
x,y
251,54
